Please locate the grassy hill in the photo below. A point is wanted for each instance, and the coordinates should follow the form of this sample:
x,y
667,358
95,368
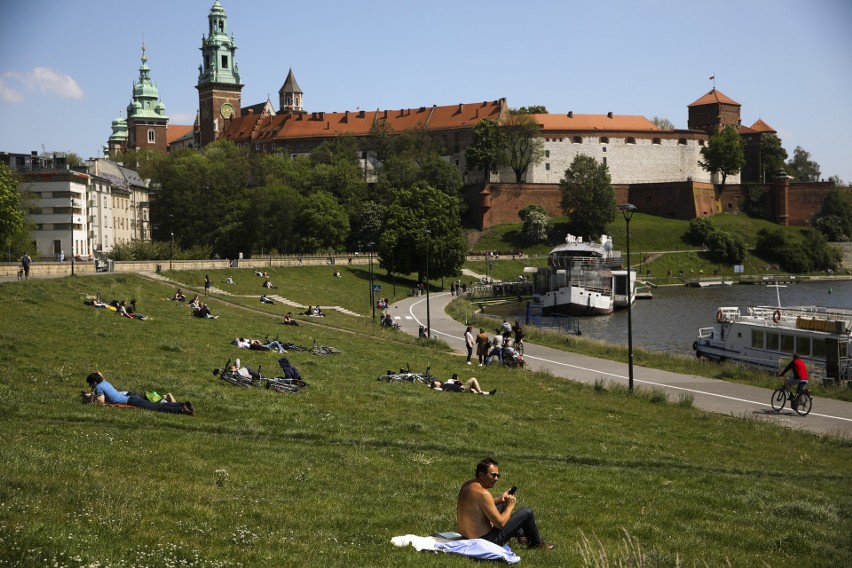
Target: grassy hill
x,y
327,477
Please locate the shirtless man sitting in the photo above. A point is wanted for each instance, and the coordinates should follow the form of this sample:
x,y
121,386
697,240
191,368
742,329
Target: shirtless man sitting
x,y
480,515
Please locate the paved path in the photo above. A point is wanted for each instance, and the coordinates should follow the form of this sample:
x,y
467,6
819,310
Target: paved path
x,y
828,416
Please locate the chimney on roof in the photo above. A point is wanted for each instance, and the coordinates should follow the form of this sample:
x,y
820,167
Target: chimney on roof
x,y
386,114
461,107
361,114
570,114
251,111
422,109
347,116
609,114
313,116
321,115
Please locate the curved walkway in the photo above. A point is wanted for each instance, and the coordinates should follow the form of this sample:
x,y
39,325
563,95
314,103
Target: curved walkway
x,y
831,417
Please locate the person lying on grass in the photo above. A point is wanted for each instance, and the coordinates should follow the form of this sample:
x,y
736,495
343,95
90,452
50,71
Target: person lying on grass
x,y
480,515
266,300
104,393
257,345
455,385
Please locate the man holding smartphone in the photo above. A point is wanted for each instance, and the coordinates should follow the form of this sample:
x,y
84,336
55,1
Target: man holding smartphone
x,y
480,515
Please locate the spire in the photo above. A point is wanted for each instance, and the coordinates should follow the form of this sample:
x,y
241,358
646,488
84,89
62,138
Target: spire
x,y
290,94
146,98
218,50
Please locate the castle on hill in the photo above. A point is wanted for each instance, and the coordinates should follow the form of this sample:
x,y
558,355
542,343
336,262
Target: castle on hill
x,y
635,150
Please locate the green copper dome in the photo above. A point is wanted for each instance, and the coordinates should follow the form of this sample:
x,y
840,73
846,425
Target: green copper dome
x,y
146,98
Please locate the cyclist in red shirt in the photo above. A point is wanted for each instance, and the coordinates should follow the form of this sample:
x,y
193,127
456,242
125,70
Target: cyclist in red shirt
x,y
800,374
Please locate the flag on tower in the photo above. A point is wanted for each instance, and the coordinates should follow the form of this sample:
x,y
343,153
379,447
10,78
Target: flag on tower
x,y
713,77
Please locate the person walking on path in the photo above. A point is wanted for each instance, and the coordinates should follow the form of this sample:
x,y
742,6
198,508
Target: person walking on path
x,y
469,343
25,264
206,285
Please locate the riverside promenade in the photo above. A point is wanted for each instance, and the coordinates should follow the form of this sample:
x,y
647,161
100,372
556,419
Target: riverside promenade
x,y
828,417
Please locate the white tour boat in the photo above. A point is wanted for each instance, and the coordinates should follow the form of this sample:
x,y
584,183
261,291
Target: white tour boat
x,y
767,337
583,279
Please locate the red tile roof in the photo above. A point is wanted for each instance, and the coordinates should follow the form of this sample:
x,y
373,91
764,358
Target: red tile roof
x,y
590,122
713,97
176,131
292,125
761,126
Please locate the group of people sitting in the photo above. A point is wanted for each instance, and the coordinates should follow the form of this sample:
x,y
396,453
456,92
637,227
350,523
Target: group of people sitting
x,y
121,308
199,309
314,312
382,304
257,345
455,385
387,320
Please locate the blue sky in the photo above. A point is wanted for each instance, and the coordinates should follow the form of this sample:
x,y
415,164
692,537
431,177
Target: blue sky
x,y
67,68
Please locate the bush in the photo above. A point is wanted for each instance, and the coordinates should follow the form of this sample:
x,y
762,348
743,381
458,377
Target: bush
x,y
537,227
699,231
722,247
157,250
812,253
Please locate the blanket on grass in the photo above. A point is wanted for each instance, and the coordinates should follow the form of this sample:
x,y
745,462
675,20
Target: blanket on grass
x,y
472,548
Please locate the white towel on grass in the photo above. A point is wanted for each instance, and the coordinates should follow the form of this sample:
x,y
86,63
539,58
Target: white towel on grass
x,y
473,547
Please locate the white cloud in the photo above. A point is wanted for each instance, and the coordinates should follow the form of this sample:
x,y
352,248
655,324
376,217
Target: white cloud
x,y
45,80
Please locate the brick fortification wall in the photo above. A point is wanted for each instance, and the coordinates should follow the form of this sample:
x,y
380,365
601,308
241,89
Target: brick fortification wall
x,y
499,203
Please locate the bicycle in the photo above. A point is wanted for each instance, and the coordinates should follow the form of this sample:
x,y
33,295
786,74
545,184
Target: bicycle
x,y
405,375
801,402
324,350
234,377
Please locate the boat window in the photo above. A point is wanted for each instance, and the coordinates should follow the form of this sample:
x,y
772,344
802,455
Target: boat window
x,y
757,338
803,346
772,341
787,344
819,348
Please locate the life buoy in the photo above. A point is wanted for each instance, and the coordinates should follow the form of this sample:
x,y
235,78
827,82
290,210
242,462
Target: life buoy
x,y
720,316
776,317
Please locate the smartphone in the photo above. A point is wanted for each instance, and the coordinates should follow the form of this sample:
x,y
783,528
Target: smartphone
x,y
513,489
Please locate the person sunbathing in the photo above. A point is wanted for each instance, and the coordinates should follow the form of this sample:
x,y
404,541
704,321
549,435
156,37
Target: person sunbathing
x,y
266,300
455,385
104,393
179,297
288,319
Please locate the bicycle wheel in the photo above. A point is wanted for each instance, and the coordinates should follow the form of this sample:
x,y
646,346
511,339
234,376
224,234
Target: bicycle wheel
x,y
779,398
386,378
235,379
804,403
519,347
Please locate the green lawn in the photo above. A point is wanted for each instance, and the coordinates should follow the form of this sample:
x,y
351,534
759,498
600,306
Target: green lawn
x,y
327,477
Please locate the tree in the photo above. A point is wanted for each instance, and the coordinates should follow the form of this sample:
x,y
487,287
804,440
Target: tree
x,y
834,219
801,167
322,222
412,211
366,223
663,123
723,153
523,145
772,156
487,151
537,227
12,216
534,109
588,196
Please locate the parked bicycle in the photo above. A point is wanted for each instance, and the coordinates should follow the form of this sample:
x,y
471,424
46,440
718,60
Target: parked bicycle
x,y
801,402
405,375
324,349
246,377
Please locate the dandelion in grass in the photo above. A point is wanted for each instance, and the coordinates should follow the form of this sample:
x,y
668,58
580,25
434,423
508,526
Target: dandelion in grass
x,y
221,476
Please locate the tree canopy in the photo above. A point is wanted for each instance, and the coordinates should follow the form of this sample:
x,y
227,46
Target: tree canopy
x,y
663,123
12,216
413,211
488,149
523,145
834,219
772,156
588,196
801,167
723,153
532,109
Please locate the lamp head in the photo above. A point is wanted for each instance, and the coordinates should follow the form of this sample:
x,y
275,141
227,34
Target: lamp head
x,y
628,209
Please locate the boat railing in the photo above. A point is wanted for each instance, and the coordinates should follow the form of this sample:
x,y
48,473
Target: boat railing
x,y
706,332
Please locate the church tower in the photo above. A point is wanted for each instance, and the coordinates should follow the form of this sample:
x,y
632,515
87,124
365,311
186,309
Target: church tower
x,y
713,111
146,115
219,87
290,95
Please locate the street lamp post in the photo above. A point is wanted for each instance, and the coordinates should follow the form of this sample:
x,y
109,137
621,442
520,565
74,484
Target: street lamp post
x,y
428,233
393,274
372,292
72,234
628,210
171,250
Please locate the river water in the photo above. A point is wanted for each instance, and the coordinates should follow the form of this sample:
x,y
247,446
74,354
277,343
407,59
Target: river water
x,y
671,320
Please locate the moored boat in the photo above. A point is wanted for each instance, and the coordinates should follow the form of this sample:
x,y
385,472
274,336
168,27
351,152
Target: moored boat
x,y
583,279
767,337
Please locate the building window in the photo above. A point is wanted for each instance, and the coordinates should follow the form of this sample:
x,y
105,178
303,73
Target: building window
x,y
151,137
630,140
224,62
656,142
604,139
547,153
701,142
577,140
547,166
681,141
604,160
